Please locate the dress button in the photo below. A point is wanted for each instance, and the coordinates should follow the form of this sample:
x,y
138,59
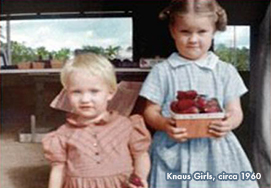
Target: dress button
x,y
96,153
95,144
98,162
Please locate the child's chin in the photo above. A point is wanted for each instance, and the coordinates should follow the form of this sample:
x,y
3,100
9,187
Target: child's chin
x,y
88,115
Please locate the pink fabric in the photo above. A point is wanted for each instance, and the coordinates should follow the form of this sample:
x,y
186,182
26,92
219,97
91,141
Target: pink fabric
x,y
98,155
123,101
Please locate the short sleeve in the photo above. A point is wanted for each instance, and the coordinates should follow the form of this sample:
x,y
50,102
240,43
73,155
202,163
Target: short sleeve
x,y
54,147
154,87
140,138
234,86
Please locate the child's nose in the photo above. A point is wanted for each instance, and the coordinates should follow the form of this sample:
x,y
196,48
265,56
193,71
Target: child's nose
x,y
86,98
193,38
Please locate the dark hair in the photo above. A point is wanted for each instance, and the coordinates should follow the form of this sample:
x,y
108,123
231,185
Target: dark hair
x,y
201,7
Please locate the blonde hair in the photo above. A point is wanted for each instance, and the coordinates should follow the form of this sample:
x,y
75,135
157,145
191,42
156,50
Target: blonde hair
x,y
93,64
200,7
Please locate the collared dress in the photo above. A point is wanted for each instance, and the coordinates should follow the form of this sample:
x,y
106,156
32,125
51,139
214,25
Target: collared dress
x,y
97,155
213,78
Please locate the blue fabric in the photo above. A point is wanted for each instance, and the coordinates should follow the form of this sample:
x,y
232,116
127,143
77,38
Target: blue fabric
x,y
210,77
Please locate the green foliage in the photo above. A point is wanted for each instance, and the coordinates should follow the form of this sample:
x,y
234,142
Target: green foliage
x,y
236,56
21,53
94,49
62,55
42,53
109,52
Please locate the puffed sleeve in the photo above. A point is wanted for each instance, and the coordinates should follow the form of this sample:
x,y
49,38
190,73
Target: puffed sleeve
x,y
140,138
54,147
233,85
155,86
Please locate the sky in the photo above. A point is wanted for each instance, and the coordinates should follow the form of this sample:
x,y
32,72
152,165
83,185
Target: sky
x,y
242,36
55,34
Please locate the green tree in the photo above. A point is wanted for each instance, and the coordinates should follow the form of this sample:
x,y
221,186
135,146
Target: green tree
x,y
111,52
238,57
94,49
21,53
242,57
62,55
42,52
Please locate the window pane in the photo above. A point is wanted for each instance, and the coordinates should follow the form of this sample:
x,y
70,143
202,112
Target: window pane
x,y
34,39
233,46
3,32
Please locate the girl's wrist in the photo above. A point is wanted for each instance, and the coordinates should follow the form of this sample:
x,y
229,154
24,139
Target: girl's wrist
x,y
164,124
141,175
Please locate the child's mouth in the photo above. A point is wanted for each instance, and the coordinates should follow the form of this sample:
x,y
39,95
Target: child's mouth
x,y
86,107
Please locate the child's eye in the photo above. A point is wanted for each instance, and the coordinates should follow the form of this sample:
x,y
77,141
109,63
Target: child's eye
x,y
202,31
184,31
76,92
94,91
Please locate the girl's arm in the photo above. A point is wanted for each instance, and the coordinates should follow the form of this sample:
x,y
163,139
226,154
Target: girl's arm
x,y
153,117
232,120
57,176
142,167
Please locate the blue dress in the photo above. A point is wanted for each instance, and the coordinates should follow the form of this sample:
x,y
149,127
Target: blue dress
x,y
195,158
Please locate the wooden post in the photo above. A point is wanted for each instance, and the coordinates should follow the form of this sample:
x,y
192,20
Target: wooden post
x,y
33,127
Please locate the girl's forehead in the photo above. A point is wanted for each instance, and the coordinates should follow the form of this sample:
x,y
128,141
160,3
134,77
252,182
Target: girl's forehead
x,y
193,16
193,20
79,77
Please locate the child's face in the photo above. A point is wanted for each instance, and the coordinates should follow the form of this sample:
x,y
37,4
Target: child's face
x,y
192,35
88,94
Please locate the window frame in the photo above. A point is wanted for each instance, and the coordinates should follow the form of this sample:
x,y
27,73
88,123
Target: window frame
x,y
63,15
236,47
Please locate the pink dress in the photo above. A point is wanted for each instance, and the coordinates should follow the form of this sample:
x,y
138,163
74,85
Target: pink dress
x,y
97,155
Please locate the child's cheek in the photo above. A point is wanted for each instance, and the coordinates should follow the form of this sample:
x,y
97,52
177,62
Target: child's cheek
x,y
74,100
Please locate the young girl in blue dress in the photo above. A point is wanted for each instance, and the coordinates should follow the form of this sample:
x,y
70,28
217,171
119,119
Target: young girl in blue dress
x,y
192,25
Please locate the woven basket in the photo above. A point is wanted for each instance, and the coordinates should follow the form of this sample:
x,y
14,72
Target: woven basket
x,y
197,125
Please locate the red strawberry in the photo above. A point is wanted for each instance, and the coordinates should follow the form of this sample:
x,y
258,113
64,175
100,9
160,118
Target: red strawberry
x,y
181,95
212,109
191,94
212,106
201,103
191,110
135,180
174,106
185,104
212,102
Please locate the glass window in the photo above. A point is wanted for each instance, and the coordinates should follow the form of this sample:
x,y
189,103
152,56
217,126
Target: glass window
x,y
3,32
233,46
58,38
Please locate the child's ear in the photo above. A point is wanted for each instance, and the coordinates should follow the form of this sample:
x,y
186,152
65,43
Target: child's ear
x,y
170,27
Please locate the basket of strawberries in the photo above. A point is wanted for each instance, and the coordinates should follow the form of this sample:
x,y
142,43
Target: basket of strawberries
x,y
195,113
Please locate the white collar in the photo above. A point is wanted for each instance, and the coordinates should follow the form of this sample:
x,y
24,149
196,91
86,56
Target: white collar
x,y
175,60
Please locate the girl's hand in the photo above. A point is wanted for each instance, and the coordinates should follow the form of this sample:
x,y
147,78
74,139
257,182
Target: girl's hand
x,y
220,128
232,120
144,182
135,181
177,133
